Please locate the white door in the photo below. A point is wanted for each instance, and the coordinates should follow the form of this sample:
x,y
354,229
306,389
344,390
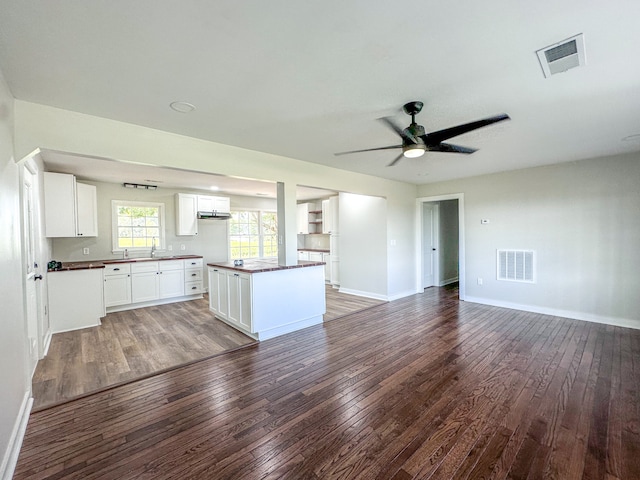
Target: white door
x,y
32,275
429,243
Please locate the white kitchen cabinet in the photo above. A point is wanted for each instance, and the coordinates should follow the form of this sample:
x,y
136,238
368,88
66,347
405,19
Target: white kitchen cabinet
x,y
170,279
75,299
87,208
70,207
145,285
186,214
209,203
219,292
303,218
326,258
330,215
117,285
315,256
239,299
303,255
193,276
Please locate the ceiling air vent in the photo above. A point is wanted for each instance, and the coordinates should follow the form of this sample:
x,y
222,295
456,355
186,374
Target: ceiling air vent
x,y
562,56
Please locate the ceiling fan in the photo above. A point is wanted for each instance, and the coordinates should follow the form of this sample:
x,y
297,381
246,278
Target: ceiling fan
x,y
415,142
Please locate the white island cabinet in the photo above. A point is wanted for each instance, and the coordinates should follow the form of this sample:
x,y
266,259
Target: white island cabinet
x,y
264,300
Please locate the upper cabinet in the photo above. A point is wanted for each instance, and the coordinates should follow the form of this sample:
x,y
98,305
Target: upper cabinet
x,y
208,203
303,217
70,207
330,215
186,214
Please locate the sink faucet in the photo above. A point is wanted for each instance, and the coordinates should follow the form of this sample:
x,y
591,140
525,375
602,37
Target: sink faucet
x,y
153,248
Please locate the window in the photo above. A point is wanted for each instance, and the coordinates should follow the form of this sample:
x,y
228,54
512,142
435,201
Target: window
x,y
137,225
253,234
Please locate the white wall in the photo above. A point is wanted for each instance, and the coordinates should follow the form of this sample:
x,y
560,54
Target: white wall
x,y
14,377
56,129
582,220
363,239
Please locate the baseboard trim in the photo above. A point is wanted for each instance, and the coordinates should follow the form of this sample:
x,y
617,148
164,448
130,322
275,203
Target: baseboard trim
x,y
587,317
360,293
10,458
47,343
448,281
398,296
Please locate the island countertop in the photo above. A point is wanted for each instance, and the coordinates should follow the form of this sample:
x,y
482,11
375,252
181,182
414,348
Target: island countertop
x,y
259,266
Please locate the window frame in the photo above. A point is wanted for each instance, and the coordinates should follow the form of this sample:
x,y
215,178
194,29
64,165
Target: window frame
x,y
115,204
260,235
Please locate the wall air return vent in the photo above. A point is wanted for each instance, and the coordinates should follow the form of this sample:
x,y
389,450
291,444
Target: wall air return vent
x,y
516,265
562,56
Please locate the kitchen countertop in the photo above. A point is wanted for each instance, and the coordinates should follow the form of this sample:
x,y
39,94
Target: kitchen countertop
x,y
91,264
259,266
321,250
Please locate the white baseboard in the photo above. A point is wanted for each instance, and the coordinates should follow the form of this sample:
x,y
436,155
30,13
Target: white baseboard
x,y
47,343
448,281
359,293
10,458
587,317
397,296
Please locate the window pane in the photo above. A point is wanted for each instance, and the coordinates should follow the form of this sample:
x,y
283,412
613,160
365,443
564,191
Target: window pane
x,y
138,225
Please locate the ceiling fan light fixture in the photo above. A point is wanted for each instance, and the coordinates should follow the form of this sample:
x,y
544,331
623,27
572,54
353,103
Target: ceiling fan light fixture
x,y
414,151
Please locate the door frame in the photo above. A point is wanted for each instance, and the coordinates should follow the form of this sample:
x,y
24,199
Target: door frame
x,y
419,239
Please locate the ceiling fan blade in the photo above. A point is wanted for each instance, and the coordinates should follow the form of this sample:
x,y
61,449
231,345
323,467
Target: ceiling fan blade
x,y
435,138
400,131
368,150
450,148
395,160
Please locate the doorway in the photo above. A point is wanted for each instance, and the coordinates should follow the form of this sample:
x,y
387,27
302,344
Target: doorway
x,y
440,242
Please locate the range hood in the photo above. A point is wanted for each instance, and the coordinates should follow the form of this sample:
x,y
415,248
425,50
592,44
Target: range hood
x,y
214,215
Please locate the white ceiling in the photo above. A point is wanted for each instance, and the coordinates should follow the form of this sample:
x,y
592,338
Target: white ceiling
x,y
308,79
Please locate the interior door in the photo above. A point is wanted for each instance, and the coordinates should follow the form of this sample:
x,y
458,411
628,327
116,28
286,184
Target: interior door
x,y
32,275
429,242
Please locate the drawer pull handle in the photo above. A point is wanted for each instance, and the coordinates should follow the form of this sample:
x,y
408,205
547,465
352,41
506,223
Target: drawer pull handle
x,y
194,274
236,274
116,269
194,288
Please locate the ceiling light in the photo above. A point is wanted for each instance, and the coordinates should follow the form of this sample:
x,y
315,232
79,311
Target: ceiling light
x,y
413,150
214,188
140,186
182,107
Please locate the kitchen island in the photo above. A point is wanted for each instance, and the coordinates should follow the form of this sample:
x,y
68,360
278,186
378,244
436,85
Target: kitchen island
x,y
264,299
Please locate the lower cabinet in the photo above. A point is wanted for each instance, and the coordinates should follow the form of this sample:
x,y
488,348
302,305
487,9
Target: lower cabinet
x,y
131,283
230,297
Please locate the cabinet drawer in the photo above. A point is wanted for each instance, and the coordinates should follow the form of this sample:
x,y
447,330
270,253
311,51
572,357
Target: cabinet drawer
x,y
168,265
192,287
193,263
144,267
117,269
193,274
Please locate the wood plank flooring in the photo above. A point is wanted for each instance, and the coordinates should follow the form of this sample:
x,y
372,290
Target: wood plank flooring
x,y
341,304
130,345
422,387
133,344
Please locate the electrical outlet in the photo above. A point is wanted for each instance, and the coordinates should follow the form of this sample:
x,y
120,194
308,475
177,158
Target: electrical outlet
x,y
170,247
479,281
85,251
183,246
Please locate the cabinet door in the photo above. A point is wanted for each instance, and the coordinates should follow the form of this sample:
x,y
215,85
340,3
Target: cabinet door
x,y
205,203
144,287
87,210
303,255
326,258
117,290
303,218
59,204
326,217
222,204
234,297
171,283
218,293
240,300
186,214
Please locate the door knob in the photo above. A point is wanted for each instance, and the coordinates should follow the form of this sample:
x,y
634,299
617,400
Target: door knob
x,y
37,277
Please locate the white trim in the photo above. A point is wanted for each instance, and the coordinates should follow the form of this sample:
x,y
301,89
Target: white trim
x,y
10,458
152,303
360,293
134,203
47,343
461,240
587,317
398,296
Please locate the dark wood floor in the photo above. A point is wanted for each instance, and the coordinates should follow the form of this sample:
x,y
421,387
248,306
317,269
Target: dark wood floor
x,y
422,387
341,304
